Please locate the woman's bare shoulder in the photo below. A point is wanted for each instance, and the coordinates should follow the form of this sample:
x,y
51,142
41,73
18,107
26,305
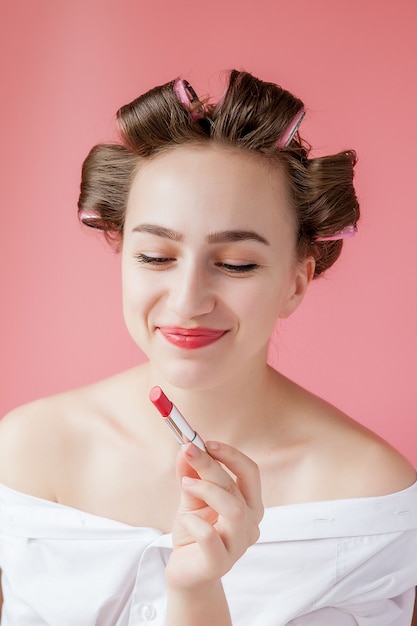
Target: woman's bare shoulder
x,y
34,439
30,436
345,459
37,437
367,465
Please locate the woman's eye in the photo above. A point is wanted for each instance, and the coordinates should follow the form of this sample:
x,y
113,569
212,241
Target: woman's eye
x,y
238,269
162,261
152,260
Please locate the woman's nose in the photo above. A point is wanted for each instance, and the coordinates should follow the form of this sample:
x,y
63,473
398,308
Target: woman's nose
x,y
191,292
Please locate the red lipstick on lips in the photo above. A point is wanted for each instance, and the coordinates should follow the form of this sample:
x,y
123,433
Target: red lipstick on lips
x,y
174,419
191,338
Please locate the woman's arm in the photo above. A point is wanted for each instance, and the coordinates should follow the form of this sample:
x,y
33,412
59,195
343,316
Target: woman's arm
x,y
217,521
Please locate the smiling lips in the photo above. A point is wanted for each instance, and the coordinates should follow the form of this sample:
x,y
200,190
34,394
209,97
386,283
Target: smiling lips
x,y
191,338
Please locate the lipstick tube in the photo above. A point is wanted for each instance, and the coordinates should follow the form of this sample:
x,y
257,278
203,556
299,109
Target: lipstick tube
x,y
175,421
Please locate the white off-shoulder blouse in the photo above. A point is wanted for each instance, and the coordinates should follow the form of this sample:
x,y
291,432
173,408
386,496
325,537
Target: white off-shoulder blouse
x,y
335,563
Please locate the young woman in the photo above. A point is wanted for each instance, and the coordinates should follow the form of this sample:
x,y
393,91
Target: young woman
x,y
291,513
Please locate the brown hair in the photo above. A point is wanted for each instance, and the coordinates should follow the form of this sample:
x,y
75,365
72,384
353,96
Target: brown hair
x,y
252,116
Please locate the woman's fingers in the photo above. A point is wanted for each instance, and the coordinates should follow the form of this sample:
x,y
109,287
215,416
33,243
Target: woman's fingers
x,y
247,483
214,552
202,558
247,474
236,523
226,494
219,513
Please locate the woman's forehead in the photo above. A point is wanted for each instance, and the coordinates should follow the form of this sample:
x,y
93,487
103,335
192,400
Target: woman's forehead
x,y
211,190
211,174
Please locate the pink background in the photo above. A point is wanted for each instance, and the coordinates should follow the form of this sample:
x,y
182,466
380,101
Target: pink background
x,y
67,67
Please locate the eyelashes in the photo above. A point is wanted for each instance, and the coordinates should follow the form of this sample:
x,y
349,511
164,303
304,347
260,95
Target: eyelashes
x,y
161,262
152,260
238,269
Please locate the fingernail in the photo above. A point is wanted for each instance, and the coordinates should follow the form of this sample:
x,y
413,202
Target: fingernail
x,y
193,451
212,445
187,480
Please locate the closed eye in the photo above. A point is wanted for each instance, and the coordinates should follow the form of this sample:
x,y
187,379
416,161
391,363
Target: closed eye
x,y
159,261
238,269
152,260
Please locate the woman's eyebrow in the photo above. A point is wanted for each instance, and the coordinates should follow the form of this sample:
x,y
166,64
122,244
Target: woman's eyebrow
x,y
223,236
159,231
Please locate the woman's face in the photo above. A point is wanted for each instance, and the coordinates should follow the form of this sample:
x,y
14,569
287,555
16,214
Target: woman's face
x,y
208,263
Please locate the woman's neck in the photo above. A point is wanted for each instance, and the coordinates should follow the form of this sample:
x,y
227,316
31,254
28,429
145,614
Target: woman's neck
x,y
238,411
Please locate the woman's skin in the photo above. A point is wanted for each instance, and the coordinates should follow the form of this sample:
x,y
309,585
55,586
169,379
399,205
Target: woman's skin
x,y
209,244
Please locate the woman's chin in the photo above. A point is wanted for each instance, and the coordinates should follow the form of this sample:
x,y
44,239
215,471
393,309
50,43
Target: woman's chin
x,y
192,376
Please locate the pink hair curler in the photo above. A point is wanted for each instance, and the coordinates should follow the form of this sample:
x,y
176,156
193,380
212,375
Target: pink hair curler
x,y
290,131
188,97
91,218
346,233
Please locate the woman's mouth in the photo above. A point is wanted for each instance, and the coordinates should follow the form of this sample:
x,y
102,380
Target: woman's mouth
x,y
191,338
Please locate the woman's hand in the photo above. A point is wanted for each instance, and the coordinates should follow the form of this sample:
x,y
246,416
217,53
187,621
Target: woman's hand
x,y
219,514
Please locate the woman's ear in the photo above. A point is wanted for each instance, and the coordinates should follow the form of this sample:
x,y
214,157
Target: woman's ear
x,y
303,275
